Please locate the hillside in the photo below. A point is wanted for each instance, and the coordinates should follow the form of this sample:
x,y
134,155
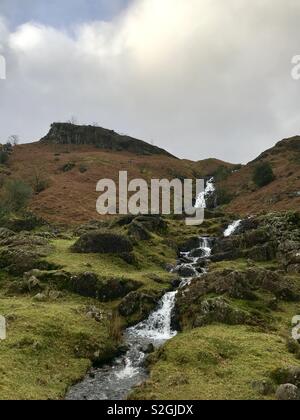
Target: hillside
x,y
65,166
281,194
64,171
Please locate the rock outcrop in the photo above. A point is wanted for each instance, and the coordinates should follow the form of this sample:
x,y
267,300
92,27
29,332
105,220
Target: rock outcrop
x,y
67,133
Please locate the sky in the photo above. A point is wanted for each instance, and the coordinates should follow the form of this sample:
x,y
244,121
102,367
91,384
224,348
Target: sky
x,y
200,78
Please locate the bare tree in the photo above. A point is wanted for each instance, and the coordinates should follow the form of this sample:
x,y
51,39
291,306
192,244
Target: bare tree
x,y
14,140
73,120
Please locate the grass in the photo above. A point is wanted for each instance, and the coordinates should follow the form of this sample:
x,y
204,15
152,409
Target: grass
x,y
151,256
242,264
215,362
48,346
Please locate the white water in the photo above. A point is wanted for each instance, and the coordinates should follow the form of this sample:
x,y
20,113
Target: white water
x,y
206,247
157,327
116,381
232,228
203,196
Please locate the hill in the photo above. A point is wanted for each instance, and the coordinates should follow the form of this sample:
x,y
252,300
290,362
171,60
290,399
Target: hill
x,y
65,166
281,194
67,133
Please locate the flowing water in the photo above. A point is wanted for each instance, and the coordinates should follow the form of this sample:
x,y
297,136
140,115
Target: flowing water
x,y
232,228
203,196
114,382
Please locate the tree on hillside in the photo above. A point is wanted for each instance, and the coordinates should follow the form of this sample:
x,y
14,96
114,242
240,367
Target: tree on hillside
x,y
263,174
14,140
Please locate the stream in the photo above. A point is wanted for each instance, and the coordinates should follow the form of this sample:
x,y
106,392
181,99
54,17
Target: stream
x,y
115,381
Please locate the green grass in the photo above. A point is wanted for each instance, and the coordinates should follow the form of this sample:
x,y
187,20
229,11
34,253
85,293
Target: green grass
x,y
48,346
215,362
151,256
242,264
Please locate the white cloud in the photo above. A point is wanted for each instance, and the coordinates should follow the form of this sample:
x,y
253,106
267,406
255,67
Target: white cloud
x,y
200,77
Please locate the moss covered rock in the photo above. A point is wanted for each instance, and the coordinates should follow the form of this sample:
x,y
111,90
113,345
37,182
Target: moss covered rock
x,y
103,242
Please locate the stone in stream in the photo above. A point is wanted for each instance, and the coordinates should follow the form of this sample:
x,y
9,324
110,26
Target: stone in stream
x,y
186,271
198,253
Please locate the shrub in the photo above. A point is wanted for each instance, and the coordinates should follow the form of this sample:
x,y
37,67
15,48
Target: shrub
x,y
68,167
16,195
3,157
263,174
223,196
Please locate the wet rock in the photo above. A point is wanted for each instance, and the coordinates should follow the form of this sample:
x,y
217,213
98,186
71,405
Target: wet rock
x,y
185,271
189,245
106,243
137,303
148,348
198,253
288,392
170,267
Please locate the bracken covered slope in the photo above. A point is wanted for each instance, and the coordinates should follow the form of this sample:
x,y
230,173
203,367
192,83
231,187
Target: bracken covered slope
x,y
70,173
281,194
71,159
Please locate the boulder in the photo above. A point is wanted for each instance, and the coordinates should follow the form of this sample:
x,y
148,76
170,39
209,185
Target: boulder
x,y
190,244
289,375
186,271
288,392
138,231
91,285
103,242
137,303
219,310
153,223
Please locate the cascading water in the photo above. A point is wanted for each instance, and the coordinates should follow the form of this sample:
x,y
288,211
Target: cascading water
x,y
116,381
232,228
203,196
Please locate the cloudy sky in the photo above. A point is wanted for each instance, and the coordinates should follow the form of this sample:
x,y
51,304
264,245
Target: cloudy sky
x,y
201,78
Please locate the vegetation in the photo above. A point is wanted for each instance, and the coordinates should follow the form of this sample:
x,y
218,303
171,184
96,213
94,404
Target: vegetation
x,y
49,346
215,362
263,174
15,197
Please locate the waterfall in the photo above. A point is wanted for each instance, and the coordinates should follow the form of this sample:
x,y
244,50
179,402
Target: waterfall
x,y
232,228
127,371
158,326
203,196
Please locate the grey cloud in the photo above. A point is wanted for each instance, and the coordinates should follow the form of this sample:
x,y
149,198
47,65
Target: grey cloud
x,y
200,78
